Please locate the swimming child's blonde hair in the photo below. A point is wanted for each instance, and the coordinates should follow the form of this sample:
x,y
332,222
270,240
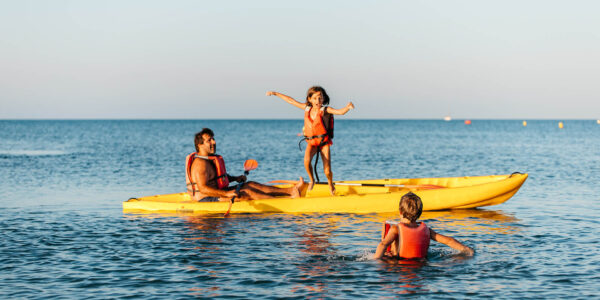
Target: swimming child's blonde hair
x,y
411,206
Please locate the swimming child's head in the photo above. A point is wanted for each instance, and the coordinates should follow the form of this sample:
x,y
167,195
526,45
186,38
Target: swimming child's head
x,y
411,206
316,91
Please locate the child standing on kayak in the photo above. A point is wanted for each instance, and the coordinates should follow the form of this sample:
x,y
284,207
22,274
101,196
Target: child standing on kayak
x,y
318,129
409,238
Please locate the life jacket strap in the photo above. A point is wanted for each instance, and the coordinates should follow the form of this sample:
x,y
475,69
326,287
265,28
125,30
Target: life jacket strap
x,y
323,143
315,136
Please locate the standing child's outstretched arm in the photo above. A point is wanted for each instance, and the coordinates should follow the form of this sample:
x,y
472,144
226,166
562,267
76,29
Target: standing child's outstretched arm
x,y
341,111
287,99
451,242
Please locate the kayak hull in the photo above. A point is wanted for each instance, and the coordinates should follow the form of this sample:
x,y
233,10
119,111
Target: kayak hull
x,y
453,193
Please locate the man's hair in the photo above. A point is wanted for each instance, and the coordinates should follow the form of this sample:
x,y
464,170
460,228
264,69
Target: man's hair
x,y
198,139
315,89
411,206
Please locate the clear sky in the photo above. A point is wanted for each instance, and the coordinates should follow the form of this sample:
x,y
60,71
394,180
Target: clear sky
x,y
216,59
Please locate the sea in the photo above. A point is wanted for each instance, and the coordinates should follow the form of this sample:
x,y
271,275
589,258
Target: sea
x,y
65,235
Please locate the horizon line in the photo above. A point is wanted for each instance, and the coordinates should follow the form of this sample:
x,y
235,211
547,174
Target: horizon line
x,y
295,119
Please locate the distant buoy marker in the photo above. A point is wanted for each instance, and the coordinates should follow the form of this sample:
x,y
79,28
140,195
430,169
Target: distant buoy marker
x,y
598,121
524,123
561,125
468,122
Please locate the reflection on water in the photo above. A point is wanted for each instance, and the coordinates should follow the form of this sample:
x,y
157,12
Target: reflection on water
x,y
407,272
314,243
320,250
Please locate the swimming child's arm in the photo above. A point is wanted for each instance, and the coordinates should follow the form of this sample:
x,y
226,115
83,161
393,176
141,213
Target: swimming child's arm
x,y
287,99
341,111
451,242
389,238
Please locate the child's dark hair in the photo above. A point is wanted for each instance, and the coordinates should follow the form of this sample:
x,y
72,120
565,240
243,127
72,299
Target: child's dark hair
x,y
411,206
316,89
198,139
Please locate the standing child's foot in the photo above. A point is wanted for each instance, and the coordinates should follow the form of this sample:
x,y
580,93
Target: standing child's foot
x,y
297,188
332,189
310,185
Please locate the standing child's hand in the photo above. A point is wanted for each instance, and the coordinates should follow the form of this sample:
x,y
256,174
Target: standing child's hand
x,y
350,105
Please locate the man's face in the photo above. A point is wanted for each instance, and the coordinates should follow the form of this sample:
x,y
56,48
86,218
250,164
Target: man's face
x,y
209,145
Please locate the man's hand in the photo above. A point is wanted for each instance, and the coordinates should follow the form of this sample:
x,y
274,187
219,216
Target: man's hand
x,y
230,194
241,178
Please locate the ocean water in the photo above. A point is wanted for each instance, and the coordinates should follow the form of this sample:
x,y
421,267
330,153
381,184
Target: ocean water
x,y
64,234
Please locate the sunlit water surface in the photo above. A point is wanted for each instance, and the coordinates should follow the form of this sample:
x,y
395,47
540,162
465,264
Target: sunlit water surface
x,y
64,234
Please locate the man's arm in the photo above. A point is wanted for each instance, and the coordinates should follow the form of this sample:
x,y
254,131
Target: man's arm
x,y
240,179
451,242
200,175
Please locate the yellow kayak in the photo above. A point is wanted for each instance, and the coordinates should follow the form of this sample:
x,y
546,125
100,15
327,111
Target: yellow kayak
x,y
364,196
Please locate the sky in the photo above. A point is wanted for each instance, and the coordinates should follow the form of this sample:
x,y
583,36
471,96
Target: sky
x,y
193,59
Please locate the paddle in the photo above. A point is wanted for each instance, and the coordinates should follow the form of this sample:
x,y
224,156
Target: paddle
x,y
410,186
249,165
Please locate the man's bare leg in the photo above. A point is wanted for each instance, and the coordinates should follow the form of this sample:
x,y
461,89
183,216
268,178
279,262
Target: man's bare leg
x,y
274,191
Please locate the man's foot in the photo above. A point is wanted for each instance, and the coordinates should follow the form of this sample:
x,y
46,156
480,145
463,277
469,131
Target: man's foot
x,y
297,188
310,185
332,189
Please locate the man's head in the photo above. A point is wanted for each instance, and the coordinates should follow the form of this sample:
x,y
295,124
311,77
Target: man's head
x,y
205,142
411,206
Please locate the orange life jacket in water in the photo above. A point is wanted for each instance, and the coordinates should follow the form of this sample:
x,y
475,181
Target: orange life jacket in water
x,y
221,178
414,242
315,132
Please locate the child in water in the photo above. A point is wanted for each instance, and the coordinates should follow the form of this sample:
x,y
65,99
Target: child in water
x,y
318,131
409,238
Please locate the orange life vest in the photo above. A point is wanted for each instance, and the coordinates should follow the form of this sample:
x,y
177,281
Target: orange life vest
x,y
315,132
221,178
414,242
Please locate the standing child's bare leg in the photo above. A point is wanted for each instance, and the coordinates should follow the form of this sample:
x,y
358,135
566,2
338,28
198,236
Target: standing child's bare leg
x,y
308,155
326,156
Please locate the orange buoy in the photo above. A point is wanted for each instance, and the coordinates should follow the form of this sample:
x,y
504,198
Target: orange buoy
x,y
561,125
468,122
525,123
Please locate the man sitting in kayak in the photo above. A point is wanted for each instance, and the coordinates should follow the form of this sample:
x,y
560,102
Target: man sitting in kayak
x,y
208,181
409,239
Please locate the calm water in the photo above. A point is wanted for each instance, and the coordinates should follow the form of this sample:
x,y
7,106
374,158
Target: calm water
x,y
64,234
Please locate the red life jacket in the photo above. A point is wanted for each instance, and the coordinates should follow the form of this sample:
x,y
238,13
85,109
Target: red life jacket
x,y
221,178
315,132
414,242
